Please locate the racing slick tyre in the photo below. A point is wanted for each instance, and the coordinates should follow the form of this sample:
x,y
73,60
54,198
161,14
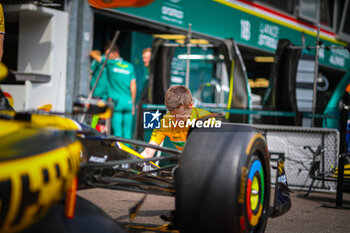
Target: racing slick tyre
x,y
223,181
37,166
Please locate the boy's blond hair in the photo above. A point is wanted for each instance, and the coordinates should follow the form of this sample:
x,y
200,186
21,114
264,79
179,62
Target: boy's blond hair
x,y
177,96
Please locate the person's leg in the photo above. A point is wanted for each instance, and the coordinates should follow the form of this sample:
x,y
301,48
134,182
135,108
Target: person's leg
x,y
127,124
117,124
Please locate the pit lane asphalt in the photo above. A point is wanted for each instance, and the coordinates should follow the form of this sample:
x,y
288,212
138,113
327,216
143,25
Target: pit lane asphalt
x,y
306,215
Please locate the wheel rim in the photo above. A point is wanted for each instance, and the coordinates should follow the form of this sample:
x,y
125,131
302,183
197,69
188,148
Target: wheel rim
x,y
255,193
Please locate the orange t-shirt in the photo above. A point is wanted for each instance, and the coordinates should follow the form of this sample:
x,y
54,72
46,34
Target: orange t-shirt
x,y
177,135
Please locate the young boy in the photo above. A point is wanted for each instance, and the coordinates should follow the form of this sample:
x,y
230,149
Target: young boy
x,y
178,101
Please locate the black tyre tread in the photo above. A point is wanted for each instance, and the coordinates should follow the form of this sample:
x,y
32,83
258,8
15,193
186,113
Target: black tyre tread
x,y
209,177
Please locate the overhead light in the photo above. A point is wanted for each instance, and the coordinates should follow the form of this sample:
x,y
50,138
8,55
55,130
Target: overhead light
x,y
181,39
170,36
198,57
264,59
195,57
193,41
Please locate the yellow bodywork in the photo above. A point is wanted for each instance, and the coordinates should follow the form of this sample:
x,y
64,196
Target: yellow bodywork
x,y
31,182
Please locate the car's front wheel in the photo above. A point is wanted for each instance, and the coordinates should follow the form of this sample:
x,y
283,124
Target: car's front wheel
x,y
223,181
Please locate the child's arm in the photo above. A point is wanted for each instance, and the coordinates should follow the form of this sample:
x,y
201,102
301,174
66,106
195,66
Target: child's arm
x,y
149,152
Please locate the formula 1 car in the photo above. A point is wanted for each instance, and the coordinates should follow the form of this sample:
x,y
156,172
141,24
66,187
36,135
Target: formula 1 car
x,y
221,181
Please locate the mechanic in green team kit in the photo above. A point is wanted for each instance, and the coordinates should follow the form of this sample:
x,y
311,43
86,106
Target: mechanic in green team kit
x,y
121,90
